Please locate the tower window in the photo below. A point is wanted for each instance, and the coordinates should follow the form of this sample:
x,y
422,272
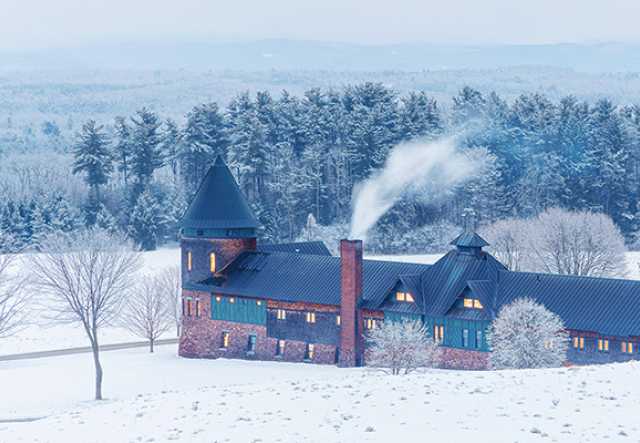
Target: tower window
x,y
311,317
309,351
212,262
338,320
189,261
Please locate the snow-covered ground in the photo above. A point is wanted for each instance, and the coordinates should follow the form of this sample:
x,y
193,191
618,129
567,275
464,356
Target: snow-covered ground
x,y
41,337
158,398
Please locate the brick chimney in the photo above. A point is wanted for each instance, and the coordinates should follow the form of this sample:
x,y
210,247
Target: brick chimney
x,y
350,291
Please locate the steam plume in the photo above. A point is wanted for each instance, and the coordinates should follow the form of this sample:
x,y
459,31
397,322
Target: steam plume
x,y
422,168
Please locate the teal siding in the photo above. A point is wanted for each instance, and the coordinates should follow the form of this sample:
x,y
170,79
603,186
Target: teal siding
x,y
242,310
399,316
453,332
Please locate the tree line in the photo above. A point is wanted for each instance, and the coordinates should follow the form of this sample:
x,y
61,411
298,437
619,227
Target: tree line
x,y
300,155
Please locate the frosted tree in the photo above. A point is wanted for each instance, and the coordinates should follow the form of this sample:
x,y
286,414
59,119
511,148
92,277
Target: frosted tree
x,y
146,221
509,243
122,148
85,278
400,347
577,243
147,312
525,334
169,284
146,148
93,159
12,297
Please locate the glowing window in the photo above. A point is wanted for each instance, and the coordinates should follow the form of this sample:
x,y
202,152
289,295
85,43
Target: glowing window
x,y
370,323
218,298
311,317
259,302
212,262
400,296
225,340
468,303
281,314
603,345
409,297
232,300
438,333
338,320
472,303
477,304
627,347
309,351
189,261
576,342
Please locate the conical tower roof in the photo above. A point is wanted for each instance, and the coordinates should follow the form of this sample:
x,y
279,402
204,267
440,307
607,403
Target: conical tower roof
x,y
469,240
219,203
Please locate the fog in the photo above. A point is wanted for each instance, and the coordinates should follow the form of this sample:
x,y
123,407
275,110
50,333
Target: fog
x,y
41,24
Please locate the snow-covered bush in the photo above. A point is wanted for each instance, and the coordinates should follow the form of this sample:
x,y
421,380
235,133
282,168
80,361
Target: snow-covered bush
x,y
400,347
508,242
525,334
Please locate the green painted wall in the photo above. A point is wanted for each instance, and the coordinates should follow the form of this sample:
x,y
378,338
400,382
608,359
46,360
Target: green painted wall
x,y
242,310
399,316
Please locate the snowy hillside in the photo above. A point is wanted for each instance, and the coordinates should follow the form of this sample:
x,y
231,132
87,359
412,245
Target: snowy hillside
x,y
158,398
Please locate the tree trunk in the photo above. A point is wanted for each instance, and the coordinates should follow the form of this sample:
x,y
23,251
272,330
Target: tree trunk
x,y
151,345
98,366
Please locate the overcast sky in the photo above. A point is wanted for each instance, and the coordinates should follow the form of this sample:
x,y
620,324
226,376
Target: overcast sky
x,y
62,23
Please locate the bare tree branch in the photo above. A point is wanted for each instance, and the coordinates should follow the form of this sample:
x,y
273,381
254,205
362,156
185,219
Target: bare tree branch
x,y
12,297
170,285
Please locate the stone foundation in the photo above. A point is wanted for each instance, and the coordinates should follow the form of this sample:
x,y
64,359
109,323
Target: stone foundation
x,y
453,358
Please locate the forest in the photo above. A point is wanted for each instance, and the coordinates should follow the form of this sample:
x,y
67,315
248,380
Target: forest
x,y
299,157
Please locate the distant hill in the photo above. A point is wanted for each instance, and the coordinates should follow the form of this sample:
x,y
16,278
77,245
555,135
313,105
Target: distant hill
x,y
309,55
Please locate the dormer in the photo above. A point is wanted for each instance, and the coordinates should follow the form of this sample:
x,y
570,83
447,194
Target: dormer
x,y
470,243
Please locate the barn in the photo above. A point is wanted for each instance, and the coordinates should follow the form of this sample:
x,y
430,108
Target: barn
x,y
296,302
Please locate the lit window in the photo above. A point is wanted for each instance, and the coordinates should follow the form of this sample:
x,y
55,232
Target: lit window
x,y
627,347
280,347
311,317
338,320
259,302
251,345
212,262
472,303
189,261
468,303
370,323
477,304
281,314
232,300
197,307
225,340
400,296
603,345
309,351
409,297
576,342
581,343
465,338
218,298
438,333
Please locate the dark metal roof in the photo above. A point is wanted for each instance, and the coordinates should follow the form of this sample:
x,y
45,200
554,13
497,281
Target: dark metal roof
x,y
445,280
469,240
303,278
605,305
219,203
309,247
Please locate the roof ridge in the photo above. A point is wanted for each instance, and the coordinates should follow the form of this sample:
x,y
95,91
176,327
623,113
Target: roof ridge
x,y
585,277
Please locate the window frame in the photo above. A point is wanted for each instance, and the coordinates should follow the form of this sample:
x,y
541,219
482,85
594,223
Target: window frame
x,y
309,351
252,343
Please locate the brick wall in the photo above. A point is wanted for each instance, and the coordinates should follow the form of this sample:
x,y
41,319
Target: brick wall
x,y
453,358
350,291
202,338
225,250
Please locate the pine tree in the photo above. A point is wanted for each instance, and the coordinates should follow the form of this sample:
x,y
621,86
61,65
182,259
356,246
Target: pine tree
x,y
171,148
146,153
93,159
123,148
146,221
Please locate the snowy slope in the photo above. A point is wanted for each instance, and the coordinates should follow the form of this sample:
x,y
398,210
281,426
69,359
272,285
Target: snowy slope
x,y
158,398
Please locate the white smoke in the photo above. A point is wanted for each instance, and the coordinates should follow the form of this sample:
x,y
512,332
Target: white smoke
x,y
423,168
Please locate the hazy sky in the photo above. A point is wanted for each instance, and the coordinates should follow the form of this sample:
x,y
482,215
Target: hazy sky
x,y
60,23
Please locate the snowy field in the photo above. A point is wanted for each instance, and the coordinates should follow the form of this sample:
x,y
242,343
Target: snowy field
x,y
42,337
160,398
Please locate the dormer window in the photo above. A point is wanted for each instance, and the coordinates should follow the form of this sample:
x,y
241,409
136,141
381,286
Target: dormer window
x,y
212,262
472,303
189,261
404,296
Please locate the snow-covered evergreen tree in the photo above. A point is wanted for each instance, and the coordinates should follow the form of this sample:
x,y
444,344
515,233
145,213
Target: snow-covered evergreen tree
x,y
525,334
146,152
146,221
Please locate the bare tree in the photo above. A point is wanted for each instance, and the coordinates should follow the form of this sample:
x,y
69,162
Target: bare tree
x,y
508,242
169,283
525,334
86,278
12,297
577,243
560,242
400,347
147,312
